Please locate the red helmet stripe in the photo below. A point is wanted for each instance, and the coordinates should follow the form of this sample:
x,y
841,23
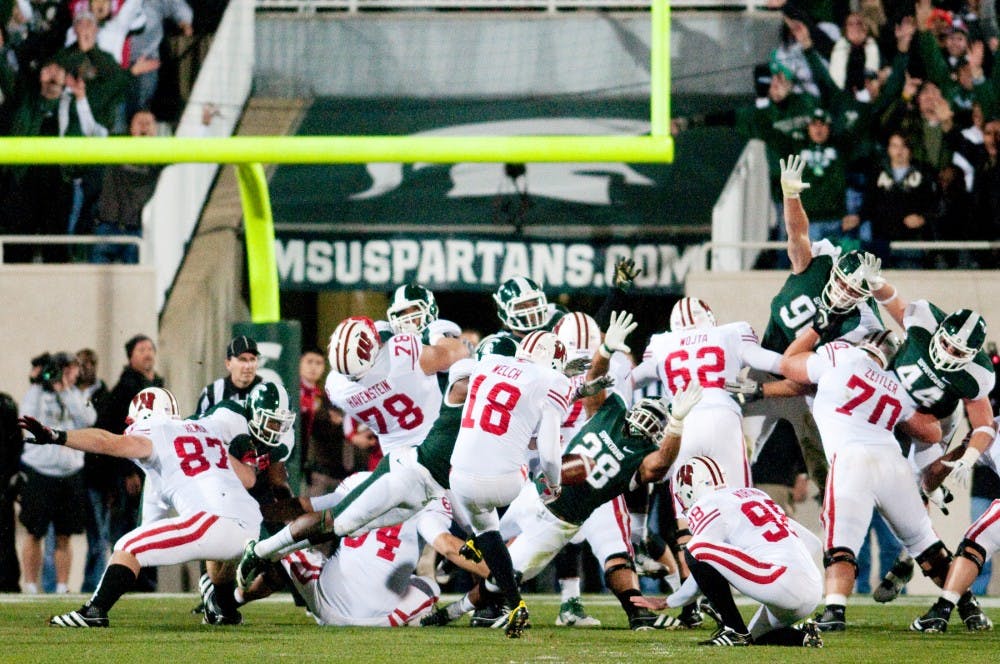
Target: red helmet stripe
x,y
688,314
345,335
713,468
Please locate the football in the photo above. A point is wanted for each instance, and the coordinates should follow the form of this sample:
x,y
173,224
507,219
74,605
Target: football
x,y
575,468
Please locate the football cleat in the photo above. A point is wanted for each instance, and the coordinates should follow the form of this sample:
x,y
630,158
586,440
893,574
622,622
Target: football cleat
x,y
249,567
647,566
811,637
727,637
470,552
86,616
214,614
972,615
645,621
485,616
513,621
706,607
205,586
932,622
691,615
897,577
437,618
572,614
831,620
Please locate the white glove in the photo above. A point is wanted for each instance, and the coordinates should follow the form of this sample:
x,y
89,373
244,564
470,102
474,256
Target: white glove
x,y
961,470
620,326
791,176
873,270
745,390
681,405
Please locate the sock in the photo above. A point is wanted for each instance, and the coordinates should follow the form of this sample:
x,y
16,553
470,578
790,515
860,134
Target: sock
x,y
569,588
567,562
715,587
458,609
497,557
266,548
625,599
638,526
30,588
117,580
238,597
674,579
224,597
835,600
950,597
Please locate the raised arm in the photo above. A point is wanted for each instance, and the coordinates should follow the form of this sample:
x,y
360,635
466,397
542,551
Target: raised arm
x,y
796,220
443,354
655,465
96,441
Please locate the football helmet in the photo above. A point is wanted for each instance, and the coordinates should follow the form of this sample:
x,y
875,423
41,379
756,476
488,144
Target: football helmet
x,y
496,344
521,304
882,344
412,309
847,284
269,415
696,477
543,348
648,417
578,331
690,313
354,346
152,401
957,339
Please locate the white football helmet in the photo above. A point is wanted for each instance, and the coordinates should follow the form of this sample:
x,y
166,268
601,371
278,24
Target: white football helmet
x,y
579,332
696,477
543,348
354,346
521,304
690,313
150,402
882,345
412,309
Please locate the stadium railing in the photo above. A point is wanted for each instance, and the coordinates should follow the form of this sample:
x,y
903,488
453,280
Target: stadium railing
x,y
552,6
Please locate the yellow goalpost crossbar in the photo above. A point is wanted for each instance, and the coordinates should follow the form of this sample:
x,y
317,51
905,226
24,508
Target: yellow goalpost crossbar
x,y
248,152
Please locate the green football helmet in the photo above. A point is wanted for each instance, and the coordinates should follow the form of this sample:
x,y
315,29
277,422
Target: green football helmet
x,y
269,416
957,339
648,417
847,284
496,344
521,305
412,309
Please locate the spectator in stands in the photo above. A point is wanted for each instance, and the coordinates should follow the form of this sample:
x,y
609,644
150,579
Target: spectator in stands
x,y
241,375
854,54
900,203
137,375
98,476
124,192
39,198
191,50
146,43
985,215
113,25
312,366
42,34
11,446
54,492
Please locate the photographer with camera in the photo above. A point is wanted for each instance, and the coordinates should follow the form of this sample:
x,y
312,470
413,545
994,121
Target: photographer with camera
x,y
53,491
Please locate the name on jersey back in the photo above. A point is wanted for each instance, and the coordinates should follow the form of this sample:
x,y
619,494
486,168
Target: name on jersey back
x,y
879,378
507,371
694,339
372,393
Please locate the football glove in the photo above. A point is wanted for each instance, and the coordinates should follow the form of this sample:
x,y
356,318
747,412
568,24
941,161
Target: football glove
x,y
550,492
625,273
745,390
681,405
826,322
791,176
941,496
576,367
872,266
961,470
43,434
593,387
620,326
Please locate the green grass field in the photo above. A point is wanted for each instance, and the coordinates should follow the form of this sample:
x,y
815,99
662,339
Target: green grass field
x,y
159,628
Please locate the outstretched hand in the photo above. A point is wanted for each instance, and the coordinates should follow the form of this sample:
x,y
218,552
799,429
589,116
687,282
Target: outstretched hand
x,y
43,435
619,328
791,176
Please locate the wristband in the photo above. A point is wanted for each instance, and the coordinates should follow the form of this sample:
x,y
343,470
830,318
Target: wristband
x,y
604,351
895,294
985,429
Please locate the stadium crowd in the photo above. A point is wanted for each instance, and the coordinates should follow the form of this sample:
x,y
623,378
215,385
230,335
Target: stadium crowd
x,y
92,68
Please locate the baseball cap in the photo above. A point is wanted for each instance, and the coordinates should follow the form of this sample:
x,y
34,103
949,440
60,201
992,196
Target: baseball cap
x,y
821,115
84,15
958,25
241,344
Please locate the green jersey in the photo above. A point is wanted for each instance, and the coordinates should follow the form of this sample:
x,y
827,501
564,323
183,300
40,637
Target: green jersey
x,y
245,448
617,457
936,392
793,308
434,453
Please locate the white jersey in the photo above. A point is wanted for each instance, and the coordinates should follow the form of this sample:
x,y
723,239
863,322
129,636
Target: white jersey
x,y
190,461
711,356
395,398
620,369
503,410
857,402
748,520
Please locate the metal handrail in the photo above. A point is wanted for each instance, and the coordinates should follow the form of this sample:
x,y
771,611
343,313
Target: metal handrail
x,y
71,239
551,6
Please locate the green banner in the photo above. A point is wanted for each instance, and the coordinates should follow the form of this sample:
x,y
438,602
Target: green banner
x,y
474,263
280,345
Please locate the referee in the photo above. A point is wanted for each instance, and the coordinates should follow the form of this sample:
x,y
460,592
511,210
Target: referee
x,y
241,365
